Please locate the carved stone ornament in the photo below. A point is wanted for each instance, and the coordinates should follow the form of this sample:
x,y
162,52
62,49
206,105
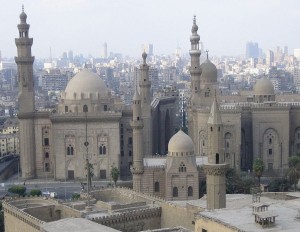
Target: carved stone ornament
x,y
215,170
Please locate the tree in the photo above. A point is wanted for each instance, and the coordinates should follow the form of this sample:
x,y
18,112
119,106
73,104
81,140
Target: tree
x,y
115,173
75,196
17,189
293,171
35,192
258,169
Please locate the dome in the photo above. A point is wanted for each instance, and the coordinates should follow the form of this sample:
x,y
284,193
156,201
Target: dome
x,y
85,82
209,72
264,87
181,142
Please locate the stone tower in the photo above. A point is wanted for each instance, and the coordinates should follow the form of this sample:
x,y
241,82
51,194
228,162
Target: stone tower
x,y
195,69
137,128
26,101
215,169
145,90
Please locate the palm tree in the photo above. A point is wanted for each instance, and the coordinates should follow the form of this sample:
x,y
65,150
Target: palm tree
x,y
293,172
258,169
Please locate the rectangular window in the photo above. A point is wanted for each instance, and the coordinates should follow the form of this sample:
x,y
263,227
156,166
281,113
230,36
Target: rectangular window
x,y
270,152
105,107
102,174
130,140
46,141
298,146
122,153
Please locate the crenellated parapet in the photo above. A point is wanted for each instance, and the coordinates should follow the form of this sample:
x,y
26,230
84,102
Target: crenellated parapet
x,y
135,215
21,215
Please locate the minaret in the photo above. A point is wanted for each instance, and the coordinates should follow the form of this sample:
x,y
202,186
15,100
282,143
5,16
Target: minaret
x,y
195,70
26,101
137,128
215,169
24,61
146,98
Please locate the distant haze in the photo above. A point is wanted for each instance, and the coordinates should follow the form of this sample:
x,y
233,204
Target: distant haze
x,y
84,25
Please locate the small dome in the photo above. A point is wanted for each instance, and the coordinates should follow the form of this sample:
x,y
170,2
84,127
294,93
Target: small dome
x,y
209,72
23,15
85,82
181,142
264,87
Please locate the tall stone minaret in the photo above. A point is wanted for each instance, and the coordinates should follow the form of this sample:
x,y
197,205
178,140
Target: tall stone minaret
x,y
26,101
137,128
145,90
195,70
215,169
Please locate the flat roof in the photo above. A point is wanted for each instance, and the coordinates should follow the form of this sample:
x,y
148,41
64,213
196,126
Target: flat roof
x,y
75,225
241,209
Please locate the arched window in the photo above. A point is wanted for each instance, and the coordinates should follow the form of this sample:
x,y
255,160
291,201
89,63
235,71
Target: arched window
x,y
217,158
85,109
156,186
47,155
182,167
70,150
175,192
102,149
190,191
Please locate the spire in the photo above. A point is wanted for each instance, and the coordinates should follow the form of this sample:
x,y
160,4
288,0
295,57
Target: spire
x,y
23,16
215,116
194,27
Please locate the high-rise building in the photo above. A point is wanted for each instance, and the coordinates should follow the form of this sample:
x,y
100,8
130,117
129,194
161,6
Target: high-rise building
x,y
104,55
148,48
297,53
252,50
270,58
70,56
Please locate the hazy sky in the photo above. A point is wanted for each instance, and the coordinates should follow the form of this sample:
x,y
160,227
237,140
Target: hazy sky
x,y
84,25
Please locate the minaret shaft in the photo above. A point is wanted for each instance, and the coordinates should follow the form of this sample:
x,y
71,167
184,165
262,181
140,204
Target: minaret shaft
x,y
195,70
26,100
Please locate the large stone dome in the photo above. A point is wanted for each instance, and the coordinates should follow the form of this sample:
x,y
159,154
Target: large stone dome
x,y
85,84
264,87
180,143
209,72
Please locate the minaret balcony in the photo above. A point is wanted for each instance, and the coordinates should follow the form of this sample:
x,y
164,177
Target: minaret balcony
x,y
25,59
137,124
216,169
24,41
195,52
137,170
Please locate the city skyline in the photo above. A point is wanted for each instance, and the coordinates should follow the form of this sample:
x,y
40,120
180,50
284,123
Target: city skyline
x,y
84,25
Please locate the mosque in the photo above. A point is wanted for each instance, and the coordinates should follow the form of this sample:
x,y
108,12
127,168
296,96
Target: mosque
x,y
88,123
91,123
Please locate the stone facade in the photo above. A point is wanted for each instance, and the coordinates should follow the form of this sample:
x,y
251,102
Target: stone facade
x,y
52,142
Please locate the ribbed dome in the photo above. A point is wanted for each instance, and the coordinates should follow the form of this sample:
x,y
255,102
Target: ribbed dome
x,y
264,87
181,142
209,72
85,82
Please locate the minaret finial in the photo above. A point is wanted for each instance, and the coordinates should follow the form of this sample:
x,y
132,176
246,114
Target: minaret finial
x,y
22,7
144,55
194,19
207,54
